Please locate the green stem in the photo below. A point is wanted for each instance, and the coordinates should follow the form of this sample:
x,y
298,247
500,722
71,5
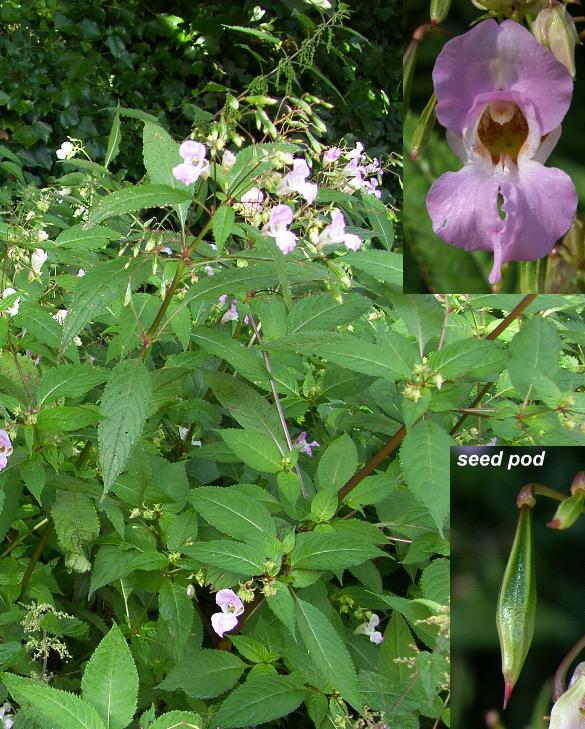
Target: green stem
x,y
22,537
559,683
35,558
532,277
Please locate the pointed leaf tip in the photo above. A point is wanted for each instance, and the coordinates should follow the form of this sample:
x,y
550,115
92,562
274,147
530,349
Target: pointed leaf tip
x,y
508,688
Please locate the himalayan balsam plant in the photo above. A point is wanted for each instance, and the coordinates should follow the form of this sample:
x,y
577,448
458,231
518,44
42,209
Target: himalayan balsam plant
x,y
515,616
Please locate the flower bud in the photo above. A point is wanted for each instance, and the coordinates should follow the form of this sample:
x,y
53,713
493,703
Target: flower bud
x,y
439,10
568,511
423,129
517,602
578,484
554,28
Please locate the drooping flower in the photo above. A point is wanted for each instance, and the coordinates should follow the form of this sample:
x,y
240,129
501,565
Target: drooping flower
x,y
335,233
331,155
301,444
231,607
568,711
13,309
501,96
369,629
296,181
363,175
194,165
5,448
252,201
232,313
37,259
65,151
228,160
281,216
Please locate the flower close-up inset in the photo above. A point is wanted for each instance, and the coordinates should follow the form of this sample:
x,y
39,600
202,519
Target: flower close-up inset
x,y
502,97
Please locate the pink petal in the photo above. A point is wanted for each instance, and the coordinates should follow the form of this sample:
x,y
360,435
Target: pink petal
x,y
280,215
192,150
226,597
352,241
492,57
223,623
187,174
286,240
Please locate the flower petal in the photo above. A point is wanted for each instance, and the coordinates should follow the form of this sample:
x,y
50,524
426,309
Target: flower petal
x,y
492,57
223,623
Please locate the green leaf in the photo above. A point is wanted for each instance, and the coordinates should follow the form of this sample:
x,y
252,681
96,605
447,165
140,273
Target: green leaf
x,y
242,559
179,529
535,349
323,311
110,563
329,551
161,154
98,288
142,116
177,720
282,605
204,675
255,449
258,700
67,418
222,225
424,455
176,609
113,141
53,707
135,198
273,316
328,652
39,323
239,357
260,34
382,265
380,220
435,581
422,315
338,463
110,680
18,376
478,358
68,381
124,407
76,521
230,511
78,238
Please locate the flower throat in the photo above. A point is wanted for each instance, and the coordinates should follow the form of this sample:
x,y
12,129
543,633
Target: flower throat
x,y
503,130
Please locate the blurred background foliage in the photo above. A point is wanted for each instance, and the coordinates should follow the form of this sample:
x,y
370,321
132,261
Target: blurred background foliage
x,y
64,62
432,265
484,514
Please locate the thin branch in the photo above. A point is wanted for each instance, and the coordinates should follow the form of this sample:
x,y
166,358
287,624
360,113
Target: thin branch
x,y
559,681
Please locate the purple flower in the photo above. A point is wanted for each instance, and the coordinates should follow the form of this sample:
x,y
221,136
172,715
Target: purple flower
x,y
231,606
302,445
335,233
5,448
369,629
296,181
194,165
502,97
232,313
209,270
222,299
331,155
280,217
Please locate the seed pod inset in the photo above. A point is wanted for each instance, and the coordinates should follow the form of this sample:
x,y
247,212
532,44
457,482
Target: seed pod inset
x,y
517,602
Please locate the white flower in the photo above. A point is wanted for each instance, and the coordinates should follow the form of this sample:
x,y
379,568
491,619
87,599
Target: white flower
x,y
12,310
38,257
80,273
228,160
66,151
42,235
77,342
369,629
60,315
569,711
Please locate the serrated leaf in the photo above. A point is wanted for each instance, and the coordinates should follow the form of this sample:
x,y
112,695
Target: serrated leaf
x,y
204,675
230,511
110,563
53,707
478,358
257,450
282,605
258,700
124,407
177,720
256,33
323,311
536,349
328,652
110,680
424,455
75,519
240,358
18,376
113,141
67,418
222,225
39,323
97,289
68,381
434,581
142,116
380,220
78,238
329,551
382,265
129,200
242,559
337,463
176,609
179,529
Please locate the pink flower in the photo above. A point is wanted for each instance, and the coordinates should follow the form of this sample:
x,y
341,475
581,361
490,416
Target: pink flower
x,y
331,154
252,201
231,606
335,233
222,299
232,313
209,270
5,448
281,216
194,165
304,447
296,181
502,97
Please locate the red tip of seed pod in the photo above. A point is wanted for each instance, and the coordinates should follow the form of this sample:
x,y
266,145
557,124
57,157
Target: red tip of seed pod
x,y
554,524
413,157
507,692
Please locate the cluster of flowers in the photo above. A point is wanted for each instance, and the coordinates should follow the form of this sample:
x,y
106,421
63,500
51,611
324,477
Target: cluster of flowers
x,y
5,449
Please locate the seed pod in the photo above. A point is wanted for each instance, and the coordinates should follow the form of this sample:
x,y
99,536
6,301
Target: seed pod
x,y
423,129
554,28
439,10
517,602
568,511
578,484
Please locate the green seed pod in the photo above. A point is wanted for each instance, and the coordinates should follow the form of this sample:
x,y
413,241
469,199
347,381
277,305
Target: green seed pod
x,y
568,511
423,129
439,10
555,29
517,601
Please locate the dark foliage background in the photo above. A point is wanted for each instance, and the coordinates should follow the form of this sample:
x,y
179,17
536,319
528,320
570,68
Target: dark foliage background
x,y
484,513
